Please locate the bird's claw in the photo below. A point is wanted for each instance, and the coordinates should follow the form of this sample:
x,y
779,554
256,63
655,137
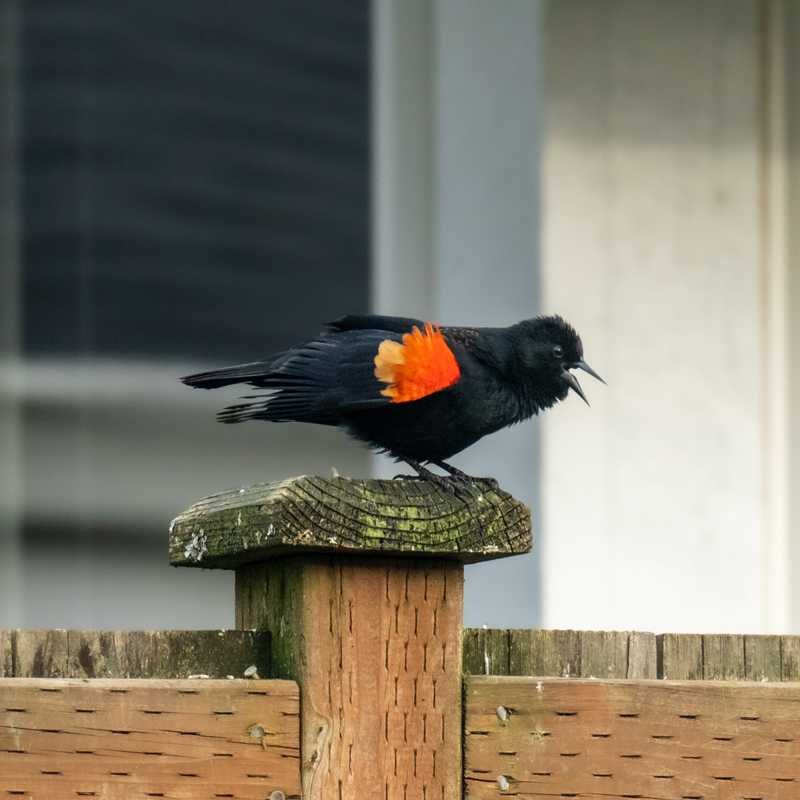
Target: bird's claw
x,y
452,484
448,484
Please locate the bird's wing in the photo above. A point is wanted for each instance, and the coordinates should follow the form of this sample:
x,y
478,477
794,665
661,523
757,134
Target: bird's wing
x,y
374,322
339,373
354,322
315,382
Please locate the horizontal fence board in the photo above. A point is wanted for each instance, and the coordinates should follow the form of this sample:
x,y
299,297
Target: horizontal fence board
x,y
133,654
671,740
149,738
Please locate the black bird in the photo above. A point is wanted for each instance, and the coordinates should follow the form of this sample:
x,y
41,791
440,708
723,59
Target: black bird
x,y
409,388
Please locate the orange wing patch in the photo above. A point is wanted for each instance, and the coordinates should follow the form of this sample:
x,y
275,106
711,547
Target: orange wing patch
x,y
421,365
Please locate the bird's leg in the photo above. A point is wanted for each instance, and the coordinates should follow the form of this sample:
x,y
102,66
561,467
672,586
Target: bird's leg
x,y
462,476
424,474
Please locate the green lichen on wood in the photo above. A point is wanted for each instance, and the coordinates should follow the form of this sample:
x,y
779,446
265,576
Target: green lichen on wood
x,y
335,515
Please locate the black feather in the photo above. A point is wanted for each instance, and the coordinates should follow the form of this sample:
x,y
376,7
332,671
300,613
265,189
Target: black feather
x,y
240,373
316,382
375,322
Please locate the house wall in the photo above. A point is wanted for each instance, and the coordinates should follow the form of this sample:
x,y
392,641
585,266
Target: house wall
x,y
791,93
660,502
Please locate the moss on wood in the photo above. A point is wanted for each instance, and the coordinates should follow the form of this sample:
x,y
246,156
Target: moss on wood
x,y
335,515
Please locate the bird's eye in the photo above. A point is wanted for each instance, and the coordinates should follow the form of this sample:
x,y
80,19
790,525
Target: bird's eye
x,y
558,351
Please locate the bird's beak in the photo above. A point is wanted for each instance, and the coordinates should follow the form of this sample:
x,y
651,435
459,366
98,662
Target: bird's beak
x,y
586,368
572,381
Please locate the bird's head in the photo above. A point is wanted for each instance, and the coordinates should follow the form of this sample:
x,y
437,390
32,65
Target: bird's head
x,y
547,349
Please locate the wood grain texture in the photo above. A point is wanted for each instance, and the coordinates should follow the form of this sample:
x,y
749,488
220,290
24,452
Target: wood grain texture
x,y
762,658
486,651
723,657
604,654
642,655
553,653
6,655
333,515
131,739
680,656
666,740
542,652
790,658
40,653
132,654
375,645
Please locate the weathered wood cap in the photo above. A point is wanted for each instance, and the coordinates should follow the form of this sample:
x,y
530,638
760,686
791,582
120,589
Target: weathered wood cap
x,y
345,515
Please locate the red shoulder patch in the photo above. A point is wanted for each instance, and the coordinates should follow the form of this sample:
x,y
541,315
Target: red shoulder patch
x,y
423,364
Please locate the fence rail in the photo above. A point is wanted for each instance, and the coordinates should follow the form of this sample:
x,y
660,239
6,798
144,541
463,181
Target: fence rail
x,y
670,740
136,739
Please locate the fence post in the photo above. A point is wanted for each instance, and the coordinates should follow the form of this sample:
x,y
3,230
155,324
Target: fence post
x,y
360,583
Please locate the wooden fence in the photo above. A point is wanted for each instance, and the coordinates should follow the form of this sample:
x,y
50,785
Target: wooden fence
x,y
351,677
670,740
631,654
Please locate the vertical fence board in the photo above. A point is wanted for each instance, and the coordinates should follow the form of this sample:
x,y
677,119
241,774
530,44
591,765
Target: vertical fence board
x,y
219,653
680,656
6,658
762,658
103,654
642,655
134,654
604,654
790,658
40,654
723,657
541,652
486,651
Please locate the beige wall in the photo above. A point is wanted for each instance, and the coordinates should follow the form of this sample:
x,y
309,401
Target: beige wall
x,y
660,503
792,94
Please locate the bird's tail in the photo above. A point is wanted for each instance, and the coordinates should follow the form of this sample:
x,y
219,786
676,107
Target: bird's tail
x,y
241,373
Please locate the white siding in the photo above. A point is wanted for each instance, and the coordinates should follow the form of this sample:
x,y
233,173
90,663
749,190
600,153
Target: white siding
x,y
655,510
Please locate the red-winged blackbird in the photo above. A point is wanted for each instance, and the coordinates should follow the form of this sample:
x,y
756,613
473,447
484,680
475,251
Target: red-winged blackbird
x,y
413,390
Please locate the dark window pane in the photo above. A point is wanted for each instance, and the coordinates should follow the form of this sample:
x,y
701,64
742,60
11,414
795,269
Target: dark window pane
x,y
195,177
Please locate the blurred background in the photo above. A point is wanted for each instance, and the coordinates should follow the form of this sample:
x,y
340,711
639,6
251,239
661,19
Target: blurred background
x,y
186,185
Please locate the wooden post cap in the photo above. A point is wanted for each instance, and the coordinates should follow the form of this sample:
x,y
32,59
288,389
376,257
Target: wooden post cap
x,y
344,515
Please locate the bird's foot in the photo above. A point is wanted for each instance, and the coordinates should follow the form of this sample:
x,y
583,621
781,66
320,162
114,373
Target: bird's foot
x,y
448,484
462,477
